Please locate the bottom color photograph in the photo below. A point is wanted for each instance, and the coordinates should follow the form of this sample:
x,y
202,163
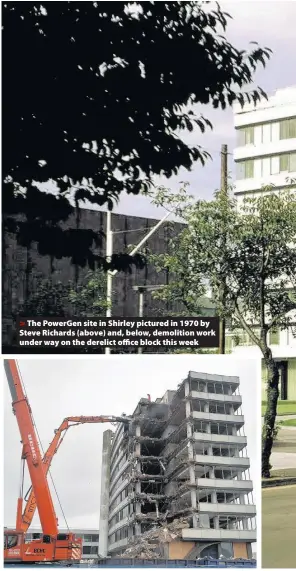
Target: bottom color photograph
x,y
131,460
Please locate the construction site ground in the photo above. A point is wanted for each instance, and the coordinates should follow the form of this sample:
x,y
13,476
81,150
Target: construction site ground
x,y
278,527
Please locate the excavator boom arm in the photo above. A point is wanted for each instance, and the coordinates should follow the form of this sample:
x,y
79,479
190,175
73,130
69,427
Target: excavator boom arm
x,y
31,450
24,522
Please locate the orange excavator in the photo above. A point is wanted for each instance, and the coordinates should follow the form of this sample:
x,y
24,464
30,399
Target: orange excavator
x,y
52,546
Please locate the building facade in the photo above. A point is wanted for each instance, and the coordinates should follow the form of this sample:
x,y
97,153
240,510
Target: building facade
x,y
90,540
266,155
24,268
182,456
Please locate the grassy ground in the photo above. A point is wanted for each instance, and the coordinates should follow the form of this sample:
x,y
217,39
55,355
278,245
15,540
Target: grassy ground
x,y
278,527
284,473
290,422
284,407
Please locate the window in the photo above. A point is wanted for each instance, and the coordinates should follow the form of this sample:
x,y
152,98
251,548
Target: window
x,y
226,550
90,550
246,136
274,337
245,169
288,129
90,538
288,162
10,541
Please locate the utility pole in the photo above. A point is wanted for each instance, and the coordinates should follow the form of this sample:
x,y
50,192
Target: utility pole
x,y
109,252
224,193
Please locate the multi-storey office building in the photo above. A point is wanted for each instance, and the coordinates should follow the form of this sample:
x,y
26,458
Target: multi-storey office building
x,y
183,455
266,155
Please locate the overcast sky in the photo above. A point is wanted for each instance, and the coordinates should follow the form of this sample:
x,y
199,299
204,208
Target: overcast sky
x,y
58,388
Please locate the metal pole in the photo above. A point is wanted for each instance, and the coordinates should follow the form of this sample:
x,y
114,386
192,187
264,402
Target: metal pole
x,y
144,240
224,191
141,309
109,252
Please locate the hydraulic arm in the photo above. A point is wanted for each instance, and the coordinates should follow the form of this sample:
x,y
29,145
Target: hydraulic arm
x,y
31,452
24,520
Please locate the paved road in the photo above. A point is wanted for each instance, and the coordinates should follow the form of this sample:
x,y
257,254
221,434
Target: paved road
x,y
278,527
283,460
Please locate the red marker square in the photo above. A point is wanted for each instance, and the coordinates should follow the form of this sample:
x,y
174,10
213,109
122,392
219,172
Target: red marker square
x,y
22,323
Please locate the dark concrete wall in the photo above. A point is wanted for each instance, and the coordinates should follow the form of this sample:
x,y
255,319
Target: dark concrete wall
x,y
23,268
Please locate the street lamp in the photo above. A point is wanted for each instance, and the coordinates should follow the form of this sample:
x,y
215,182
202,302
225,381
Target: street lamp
x,y
141,290
109,252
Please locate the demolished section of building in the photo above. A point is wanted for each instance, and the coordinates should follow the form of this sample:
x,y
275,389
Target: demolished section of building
x,y
180,464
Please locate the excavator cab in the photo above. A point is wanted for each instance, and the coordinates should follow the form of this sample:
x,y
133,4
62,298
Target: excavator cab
x,y
13,542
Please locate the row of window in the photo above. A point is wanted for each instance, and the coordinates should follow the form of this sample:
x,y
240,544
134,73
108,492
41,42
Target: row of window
x,y
90,550
223,474
215,428
118,535
240,337
87,538
116,439
119,465
214,388
268,132
120,479
232,522
215,408
267,166
206,496
122,514
119,499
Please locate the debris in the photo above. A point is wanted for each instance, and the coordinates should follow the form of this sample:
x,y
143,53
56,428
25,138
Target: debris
x,y
148,544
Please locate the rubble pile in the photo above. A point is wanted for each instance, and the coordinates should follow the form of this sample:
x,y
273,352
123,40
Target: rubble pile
x,y
147,545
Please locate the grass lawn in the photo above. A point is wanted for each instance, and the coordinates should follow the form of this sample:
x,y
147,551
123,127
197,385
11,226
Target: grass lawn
x,y
284,473
278,527
290,422
284,407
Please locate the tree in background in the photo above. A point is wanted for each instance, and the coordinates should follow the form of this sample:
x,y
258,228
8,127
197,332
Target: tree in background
x,y
251,250
97,97
48,299
87,299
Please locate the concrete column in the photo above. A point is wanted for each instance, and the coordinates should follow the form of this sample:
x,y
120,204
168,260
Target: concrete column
x,y
186,388
138,444
105,486
138,483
